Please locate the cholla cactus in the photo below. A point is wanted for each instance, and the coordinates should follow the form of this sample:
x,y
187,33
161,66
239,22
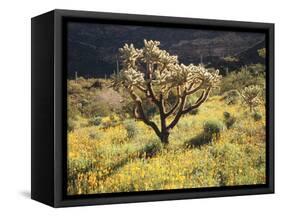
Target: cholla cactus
x,y
251,96
153,73
262,52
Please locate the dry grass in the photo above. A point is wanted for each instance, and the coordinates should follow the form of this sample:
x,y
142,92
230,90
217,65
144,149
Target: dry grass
x,y
103,160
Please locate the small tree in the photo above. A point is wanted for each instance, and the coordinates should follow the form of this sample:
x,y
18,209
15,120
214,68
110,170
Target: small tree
x,y
153,74
251,96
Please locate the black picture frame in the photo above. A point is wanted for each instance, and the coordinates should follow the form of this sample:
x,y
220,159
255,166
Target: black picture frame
x,y
48,148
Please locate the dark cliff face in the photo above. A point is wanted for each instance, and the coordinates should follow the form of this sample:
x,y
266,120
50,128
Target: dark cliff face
x,y
93,48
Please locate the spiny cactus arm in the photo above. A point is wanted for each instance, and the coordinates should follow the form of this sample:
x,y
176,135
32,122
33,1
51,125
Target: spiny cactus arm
x,y
139,112
178,115
162,111
162,102
199,101
174,108
182,111
186,87
129,55
177,103
141,88
189,90
241,94
251,92
190,86
150,91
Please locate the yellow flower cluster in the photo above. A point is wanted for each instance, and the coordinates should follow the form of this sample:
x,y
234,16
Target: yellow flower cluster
x,y
106,160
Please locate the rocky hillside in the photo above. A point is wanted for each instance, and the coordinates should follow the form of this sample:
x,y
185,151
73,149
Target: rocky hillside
x,y
93,48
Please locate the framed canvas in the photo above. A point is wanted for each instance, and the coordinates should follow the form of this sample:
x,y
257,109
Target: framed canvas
x,y
134,108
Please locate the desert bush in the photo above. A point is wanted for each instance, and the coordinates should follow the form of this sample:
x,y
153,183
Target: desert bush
x,y
96,121
231,59
213,127
226,115
151,148
199,140
97,84
231,97
131,128
84,102
211,130
257,116
74,88
229,120
241,79
194,111
97,108
256,68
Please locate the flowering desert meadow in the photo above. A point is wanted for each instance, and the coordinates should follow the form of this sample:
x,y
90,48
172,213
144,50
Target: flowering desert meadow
x,y
164,109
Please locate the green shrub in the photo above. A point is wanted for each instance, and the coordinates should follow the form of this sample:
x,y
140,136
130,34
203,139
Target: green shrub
x,y
97,84
96,121
231,97
84,102
199,140
152,147
213,127
194,111
74,88
226,115
257,116
97,108
131,128
241,79
229,120
256,68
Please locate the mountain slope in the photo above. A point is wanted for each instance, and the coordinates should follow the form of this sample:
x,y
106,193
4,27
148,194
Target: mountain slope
x,y
93,48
